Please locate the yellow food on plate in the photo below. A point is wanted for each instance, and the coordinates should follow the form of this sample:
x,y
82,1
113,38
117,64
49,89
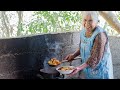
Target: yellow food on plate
x,y
54,62
65,68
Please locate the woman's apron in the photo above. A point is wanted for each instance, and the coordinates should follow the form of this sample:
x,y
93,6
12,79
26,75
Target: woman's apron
x,y
104,69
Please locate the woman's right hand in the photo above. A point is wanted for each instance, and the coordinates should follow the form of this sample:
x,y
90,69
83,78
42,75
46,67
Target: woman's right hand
x,y
70,57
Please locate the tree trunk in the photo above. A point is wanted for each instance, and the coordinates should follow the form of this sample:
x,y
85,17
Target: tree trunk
x,y
7,29
20,20
111,19
4,23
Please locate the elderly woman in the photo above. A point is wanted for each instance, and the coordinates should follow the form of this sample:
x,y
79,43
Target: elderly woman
x,y
94,50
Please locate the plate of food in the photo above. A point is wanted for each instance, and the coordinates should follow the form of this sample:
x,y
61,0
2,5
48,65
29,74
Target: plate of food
x,y
65,69
54,62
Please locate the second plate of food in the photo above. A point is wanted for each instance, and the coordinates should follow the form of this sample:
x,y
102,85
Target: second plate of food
x,y
65,69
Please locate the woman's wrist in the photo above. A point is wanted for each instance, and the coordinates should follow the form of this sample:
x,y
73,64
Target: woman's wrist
x,y
74,55
84,65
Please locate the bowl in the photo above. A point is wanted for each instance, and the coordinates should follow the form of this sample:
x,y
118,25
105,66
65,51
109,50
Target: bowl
x,y
65,69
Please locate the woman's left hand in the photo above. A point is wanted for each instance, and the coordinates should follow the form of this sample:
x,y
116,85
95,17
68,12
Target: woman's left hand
x,y
84,65
74,72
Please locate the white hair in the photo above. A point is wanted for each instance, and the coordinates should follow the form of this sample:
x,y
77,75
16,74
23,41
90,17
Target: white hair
x,y
93,14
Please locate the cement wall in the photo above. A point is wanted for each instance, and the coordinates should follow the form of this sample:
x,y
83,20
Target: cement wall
x,y
115,50
22,58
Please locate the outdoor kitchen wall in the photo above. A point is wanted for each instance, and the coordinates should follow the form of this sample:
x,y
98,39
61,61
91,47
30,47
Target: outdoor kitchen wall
x,y
115,50
22,58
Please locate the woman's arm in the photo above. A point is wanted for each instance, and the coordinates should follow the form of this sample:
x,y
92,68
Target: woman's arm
x,y
71,57
77,52
84,65
97,50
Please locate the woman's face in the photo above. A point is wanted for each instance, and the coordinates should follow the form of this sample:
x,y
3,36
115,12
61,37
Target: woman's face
x,y
88,23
